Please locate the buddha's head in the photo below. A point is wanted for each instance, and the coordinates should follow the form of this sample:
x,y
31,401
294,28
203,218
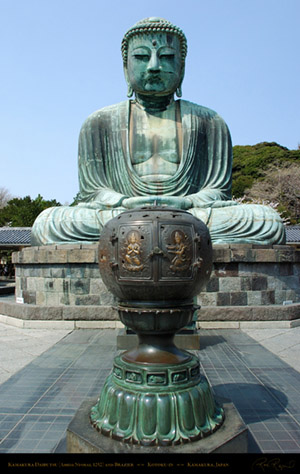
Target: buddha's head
x,y
154,52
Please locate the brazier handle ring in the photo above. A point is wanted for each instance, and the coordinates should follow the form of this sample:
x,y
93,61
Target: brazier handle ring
x,y
156,251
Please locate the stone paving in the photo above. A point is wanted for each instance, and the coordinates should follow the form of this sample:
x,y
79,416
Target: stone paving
x,y
47,373
285,343
19,347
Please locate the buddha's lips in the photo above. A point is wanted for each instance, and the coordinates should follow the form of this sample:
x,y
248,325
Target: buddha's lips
x,y
153,78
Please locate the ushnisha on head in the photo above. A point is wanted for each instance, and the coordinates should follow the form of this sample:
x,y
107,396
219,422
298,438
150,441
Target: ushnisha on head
x,y
154,52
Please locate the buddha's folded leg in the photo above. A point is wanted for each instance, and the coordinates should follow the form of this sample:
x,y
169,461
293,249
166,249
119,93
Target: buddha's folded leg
x,y
58,225
245,223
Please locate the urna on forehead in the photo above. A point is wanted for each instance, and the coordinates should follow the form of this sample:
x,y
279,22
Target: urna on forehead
x,y
156,28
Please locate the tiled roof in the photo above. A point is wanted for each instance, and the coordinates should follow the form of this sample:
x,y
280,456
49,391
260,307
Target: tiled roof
x,y
292,233
15,235
21,235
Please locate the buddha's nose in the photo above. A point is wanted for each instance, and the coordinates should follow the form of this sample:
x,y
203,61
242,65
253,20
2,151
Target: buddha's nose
x,y
153,65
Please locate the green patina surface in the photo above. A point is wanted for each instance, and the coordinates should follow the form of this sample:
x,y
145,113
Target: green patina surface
x,y
154,149
156,404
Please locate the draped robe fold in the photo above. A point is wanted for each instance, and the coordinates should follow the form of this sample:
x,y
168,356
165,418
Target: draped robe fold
x,y
106,177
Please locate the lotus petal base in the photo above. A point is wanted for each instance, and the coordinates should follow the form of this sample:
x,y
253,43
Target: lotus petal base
x,y
156,405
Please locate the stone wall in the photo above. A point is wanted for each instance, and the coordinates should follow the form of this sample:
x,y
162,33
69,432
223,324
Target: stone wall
x,y
60,275
243,275
248,275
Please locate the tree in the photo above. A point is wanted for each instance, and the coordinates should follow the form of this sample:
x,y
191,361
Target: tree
x,y
4,197
268,172
252,163
22,212
280,184
76,199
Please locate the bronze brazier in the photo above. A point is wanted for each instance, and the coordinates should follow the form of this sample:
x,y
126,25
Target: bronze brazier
x,y
155,260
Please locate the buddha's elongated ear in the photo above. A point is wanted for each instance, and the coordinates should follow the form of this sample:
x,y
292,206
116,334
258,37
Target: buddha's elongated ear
x,y
129,88
129,92
179,89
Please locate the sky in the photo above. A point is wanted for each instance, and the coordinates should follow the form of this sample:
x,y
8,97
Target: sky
x,y
61,61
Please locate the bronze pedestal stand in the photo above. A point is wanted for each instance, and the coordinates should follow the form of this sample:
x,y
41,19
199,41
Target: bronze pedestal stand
x,y
155,261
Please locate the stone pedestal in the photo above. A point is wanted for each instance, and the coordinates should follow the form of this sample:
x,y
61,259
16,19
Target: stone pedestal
x,y
248,283
231,437
243,275
60,275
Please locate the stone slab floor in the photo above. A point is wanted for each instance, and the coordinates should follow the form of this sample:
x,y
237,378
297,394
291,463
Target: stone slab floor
x,y
41,390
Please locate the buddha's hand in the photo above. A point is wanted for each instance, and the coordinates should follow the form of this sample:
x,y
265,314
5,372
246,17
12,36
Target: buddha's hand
x,y
179,202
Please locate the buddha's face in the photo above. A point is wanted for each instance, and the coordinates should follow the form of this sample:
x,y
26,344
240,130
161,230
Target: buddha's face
x,y
154,65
